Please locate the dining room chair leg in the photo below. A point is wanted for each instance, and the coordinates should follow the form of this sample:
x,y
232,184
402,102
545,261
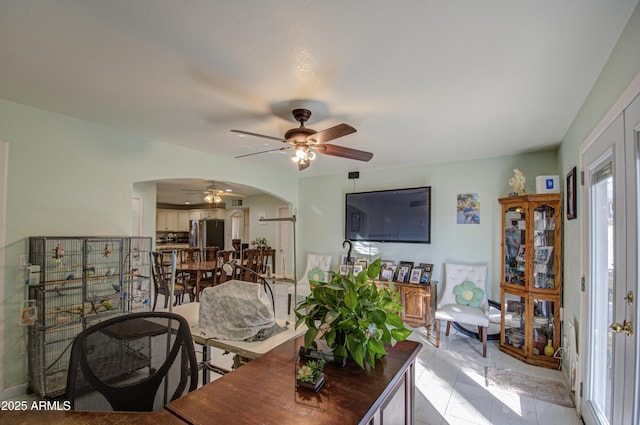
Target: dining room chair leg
x,y
484,341
448,328
437,331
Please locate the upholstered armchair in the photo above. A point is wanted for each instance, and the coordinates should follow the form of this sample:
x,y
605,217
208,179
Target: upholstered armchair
x,y
464,300
317,269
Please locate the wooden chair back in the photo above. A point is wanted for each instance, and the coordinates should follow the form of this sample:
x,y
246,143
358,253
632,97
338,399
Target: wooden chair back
x,y
223,258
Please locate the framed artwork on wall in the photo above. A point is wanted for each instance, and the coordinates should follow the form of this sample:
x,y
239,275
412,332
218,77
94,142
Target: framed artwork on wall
x,y
571,194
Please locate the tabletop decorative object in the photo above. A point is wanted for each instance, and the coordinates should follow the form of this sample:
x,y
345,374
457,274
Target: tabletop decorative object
x,y
310,374
353,316
517,182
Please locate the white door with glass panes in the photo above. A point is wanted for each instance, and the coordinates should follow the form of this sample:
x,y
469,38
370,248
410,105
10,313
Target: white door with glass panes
x,y
610,267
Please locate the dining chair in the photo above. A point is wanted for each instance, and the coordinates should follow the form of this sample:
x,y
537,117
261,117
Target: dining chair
x,y
252,258
208,278
223,257
133,362
161,277
267,256
464,300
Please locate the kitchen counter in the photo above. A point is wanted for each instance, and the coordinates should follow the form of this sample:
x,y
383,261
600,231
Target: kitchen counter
x,y
169,246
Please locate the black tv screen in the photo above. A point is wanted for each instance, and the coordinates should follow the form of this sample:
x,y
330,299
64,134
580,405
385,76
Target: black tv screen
x,y
400,215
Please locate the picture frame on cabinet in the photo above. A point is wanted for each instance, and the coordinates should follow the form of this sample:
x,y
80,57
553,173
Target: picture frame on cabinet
x,y
521,253
387,273
571,206
416,274
543,254
404,270
427,270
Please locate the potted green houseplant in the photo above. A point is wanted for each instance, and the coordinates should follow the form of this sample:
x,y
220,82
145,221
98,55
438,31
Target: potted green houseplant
x,y
353,316
310,374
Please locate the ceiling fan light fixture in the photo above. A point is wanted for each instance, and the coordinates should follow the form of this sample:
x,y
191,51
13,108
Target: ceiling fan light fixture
x,y
208,198
217,199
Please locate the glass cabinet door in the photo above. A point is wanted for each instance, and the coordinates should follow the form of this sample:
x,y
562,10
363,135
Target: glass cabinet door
x,y
544,219
544,313
514,246
514,316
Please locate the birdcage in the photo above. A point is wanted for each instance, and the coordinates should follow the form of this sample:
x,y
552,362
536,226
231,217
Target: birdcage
x,y
82,281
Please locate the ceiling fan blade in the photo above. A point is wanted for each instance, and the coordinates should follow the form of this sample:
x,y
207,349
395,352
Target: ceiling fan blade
x,y
332,133
269,150
343,152
280,139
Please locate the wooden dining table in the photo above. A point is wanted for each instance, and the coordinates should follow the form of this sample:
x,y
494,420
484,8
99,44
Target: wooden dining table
x,y
198,268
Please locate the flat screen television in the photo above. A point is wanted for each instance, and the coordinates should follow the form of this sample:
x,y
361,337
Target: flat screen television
x,y
400,215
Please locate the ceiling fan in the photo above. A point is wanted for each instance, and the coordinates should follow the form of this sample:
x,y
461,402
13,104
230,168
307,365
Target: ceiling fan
x,y
305,142
213,194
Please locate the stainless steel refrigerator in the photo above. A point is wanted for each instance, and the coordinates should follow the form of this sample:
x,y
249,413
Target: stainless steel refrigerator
x,y
205,233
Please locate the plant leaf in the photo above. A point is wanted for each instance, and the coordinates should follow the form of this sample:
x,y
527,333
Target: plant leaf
x,y
378,317
355,349
310,337
400,334
376,347
394,320
374,269
331,316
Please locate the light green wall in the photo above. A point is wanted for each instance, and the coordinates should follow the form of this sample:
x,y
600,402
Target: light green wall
x,y
620,70
70,177
321,215
269,205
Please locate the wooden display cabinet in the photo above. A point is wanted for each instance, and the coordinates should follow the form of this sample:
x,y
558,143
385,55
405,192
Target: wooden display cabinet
x,y
531,281
419,302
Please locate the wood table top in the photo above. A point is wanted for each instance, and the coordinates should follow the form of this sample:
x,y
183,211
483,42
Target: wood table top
x,y
264,391
197,265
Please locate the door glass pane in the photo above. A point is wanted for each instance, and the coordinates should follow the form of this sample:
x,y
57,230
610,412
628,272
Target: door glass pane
x,y
514,240
602,260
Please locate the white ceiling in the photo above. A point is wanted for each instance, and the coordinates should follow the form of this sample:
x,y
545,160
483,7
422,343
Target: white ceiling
x,y
422,81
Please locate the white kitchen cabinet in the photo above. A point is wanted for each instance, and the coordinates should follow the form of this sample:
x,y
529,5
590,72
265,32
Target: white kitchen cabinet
x,y
183,221
167,220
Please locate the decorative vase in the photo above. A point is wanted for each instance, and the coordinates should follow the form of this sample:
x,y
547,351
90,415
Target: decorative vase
x,y
549,350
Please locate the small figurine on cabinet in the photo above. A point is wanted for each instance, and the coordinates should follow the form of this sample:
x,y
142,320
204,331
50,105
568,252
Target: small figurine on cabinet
x,y
517,182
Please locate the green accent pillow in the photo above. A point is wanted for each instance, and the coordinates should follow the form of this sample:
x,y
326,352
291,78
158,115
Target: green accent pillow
x,y
468,294
316,275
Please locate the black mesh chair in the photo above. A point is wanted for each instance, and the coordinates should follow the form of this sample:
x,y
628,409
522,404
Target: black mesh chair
x,y
134,362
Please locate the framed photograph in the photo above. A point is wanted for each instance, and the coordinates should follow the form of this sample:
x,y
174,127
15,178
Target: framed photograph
x,y
344,269
404,270
363,262
571,194
387,273
357,268
415,276
521,253
425,278
427,271
343,259
542,254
